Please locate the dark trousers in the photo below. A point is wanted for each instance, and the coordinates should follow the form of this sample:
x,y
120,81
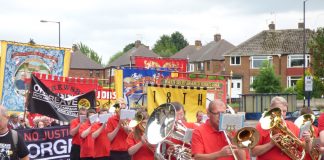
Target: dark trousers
x,y
119,155
87,158
75,152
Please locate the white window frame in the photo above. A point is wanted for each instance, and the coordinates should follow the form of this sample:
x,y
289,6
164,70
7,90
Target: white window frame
x,y
191,67
235,59
290,78
252,78
263,58
298,56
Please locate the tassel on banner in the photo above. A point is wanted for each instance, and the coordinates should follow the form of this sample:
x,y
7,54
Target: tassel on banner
x,y
176,86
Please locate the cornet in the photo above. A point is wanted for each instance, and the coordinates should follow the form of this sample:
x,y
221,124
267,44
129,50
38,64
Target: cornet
x,y
299,122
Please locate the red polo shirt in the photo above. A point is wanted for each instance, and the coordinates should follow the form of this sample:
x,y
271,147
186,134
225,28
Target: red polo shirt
x,y
119,142
321,123
143,153
102,142
76,137
87,143
275,152
206,139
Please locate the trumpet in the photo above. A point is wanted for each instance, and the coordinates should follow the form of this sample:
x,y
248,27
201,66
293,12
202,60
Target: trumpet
x,y
299,122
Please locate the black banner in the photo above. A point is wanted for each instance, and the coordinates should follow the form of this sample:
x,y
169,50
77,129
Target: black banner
x,y
41,100
48,143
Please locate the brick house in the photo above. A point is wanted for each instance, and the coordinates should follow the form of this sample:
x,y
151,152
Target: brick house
x,y
283,48
206,59
82,66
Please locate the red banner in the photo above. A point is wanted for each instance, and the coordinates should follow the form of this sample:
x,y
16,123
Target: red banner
x,y
170,63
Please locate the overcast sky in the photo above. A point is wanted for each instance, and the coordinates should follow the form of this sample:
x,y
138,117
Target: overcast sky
x,y
107,26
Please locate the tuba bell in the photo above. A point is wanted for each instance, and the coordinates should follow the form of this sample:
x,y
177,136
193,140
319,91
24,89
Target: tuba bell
x,y
315,153
287,142
246,137
161,126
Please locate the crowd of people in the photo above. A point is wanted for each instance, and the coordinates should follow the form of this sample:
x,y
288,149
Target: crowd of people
x,y
17,121
114,139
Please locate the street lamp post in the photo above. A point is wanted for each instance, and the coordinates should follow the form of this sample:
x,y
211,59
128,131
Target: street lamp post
x,y
59,24
304,50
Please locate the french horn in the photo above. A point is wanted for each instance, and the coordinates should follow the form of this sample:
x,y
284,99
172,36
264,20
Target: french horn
x,y
315,153
163,126
287,141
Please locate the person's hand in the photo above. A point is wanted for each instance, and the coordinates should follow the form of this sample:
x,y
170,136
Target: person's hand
x,y
306,136
275,138
226,150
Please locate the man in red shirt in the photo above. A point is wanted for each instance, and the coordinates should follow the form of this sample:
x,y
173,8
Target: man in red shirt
x,y
86,140
117,134
266,148
74,132
210,143
321,131
101,141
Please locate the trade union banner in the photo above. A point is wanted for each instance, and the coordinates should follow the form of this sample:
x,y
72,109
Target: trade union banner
x,y
192,98
43,101
161,63
19,60
216,89
48,143
134,81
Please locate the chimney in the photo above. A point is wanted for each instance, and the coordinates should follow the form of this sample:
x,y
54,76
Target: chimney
x,y
198,43
217,37
272,26
300,25
138,43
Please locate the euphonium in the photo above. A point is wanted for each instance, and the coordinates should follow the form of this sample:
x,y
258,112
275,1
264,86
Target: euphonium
x,y
286,141
300,121
161,126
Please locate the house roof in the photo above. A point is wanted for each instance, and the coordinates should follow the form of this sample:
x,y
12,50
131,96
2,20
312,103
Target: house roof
x,y
187,52
273,42
141,50
81,61
213,51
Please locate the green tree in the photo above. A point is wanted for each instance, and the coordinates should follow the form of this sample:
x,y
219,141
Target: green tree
x,y
178,40
84,49
167,45
128,47
317,45
267,81
318,87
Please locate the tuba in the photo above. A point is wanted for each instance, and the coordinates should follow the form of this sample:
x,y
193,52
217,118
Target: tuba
x,y
300,121
161,126
287,142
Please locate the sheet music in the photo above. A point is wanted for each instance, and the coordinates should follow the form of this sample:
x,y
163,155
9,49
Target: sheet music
x,y
304,127
127,114
82,118
231,122
93,118
103,118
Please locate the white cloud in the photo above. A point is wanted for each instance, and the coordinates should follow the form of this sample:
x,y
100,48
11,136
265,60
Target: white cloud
x,y
107,26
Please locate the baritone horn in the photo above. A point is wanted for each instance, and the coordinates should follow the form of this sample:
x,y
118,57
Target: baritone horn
x,y
315,153
286,141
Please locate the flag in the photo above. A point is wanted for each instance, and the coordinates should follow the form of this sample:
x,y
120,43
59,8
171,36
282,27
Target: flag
x,y
43,101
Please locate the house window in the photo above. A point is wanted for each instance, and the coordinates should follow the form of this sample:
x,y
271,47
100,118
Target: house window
x,y
292,81
98,73
200,66
252,78
235,60
208,65
191,67
256,61
91,73
297,60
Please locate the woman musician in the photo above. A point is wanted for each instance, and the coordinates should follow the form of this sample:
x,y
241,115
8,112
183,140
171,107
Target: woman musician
x,y
138,148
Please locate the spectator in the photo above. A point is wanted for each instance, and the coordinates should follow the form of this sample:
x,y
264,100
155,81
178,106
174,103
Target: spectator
x,y
13,121
8,148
